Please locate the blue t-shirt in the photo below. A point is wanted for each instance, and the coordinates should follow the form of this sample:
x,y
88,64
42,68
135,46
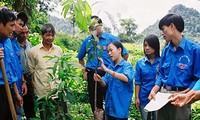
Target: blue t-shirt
x,y
9,61
180,67
87,48
197,85
119,94
18,68
145,76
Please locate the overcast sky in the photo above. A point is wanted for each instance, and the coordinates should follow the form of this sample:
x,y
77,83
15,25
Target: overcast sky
x,y
145,12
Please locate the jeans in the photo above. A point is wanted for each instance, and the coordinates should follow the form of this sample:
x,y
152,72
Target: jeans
x,y
19,112
147,115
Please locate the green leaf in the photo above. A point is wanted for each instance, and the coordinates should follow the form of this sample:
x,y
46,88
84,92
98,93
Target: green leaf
x,y
66,5
60,72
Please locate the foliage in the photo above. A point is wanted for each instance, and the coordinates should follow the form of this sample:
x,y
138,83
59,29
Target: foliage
x,y
80,11
55,104
71,42
196,110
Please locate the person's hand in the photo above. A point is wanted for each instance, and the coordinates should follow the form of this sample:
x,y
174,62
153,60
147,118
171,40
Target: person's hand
x,y
182,99
19,102
85,75
103,67
137,103
1,53
152,95
97,77
24,88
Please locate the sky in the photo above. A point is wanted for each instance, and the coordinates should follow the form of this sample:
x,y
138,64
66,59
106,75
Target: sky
x,y
144,12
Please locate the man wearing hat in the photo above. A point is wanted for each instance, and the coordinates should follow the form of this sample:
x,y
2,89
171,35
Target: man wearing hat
x,y
92,60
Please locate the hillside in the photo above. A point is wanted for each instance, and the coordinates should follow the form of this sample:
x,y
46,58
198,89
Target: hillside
x,y
61,25
191,18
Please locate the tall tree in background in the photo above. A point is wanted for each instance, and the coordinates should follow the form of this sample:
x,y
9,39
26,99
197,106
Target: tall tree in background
x,y
128,31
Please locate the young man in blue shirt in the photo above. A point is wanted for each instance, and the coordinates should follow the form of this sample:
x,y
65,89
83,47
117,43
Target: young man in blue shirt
x,y
7,27
21,83
92,60
179,67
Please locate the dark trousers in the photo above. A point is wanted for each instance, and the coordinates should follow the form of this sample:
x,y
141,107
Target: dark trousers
x,y
101,91
5,113
114,118
29,99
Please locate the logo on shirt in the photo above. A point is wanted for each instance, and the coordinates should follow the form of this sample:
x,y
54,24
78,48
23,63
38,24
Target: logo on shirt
x,y
183,61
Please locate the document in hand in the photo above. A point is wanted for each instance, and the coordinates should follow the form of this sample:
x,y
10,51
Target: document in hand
x,y
161,99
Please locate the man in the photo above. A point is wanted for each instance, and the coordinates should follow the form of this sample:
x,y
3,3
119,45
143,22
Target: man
x,y
179,68
7,27
92,60
25,47
39,65
21,83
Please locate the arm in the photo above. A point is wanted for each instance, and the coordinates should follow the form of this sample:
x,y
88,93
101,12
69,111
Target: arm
x,y
82,62
137,100
18,97
24,87
117,75
99,80
153,92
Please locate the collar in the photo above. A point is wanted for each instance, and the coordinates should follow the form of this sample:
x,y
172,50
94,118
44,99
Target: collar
x,y
103,35
146,59
181,44
121,63
42,46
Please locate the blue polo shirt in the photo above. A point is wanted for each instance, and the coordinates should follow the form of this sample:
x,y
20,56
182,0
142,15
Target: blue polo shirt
x,y
119,94
18,68
9,61
180,68
87,48
197,85
145,77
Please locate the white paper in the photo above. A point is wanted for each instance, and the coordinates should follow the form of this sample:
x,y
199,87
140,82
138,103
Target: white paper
x,y
161,99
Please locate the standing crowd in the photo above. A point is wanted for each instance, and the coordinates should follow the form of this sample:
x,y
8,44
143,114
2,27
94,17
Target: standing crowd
x,y
109,75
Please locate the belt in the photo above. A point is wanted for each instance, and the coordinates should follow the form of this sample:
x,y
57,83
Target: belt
x,y
10,85
171,88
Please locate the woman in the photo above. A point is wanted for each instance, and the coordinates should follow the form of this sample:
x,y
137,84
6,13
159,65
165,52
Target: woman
x,y
146,73
119,82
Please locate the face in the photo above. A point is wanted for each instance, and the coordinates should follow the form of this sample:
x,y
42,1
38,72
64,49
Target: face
x,y
7,31
19,24
148,50
114,52
48,38
167,32
98,30
25,33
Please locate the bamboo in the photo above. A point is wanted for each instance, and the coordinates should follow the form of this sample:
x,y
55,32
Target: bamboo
x,y
7,88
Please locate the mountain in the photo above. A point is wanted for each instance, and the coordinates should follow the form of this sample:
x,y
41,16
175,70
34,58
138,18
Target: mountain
x,y
191,18
60,24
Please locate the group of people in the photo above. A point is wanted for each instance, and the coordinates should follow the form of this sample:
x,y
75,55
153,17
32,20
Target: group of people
x,y
175,71
26,67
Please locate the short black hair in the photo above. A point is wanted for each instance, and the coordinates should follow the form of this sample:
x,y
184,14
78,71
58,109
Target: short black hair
x,y
23,17
48,28
6,15
176,19
154,43
96,17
